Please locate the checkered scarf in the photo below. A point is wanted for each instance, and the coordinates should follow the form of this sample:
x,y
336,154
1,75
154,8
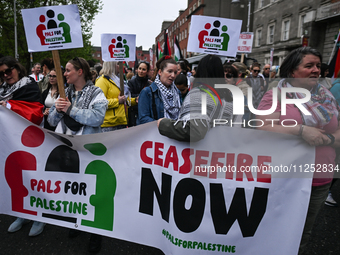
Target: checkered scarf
x,y
170,98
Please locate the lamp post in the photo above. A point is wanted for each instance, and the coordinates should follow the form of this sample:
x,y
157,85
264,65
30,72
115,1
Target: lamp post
x,y
16,55
248,21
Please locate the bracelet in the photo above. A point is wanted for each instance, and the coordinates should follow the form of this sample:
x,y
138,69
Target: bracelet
x,y
330,136
301,130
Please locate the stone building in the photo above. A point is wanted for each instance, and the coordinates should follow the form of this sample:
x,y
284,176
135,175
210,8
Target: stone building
x,y
285,25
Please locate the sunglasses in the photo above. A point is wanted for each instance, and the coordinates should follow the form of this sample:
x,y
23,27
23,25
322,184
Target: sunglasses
x,y
229,76
7,72
78,60
53,76
256,71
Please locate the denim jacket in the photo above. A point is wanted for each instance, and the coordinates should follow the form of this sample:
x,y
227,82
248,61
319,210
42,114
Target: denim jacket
x,y
92,118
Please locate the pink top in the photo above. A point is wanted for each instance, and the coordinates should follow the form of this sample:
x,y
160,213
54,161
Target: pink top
x,y
323,154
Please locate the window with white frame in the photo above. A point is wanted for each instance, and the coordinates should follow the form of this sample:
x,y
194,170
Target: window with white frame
x,y
270,33
285,29
258,37
179,37
180,22
261,3
185,33
194,7
302,20
182,35
199,2
190,10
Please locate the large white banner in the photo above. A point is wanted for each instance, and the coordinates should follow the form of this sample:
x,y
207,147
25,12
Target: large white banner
x,y
214,35
52,28
118,47
139,186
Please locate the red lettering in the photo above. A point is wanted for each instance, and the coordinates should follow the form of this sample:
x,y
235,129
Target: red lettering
x,y
57,184
146,145
171,157
34,183
244,160
187,165
200,161
157,160
49,187
261,177
230,165
41,186
215,163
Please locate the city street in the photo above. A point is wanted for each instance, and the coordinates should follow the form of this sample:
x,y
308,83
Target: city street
x,y
54,240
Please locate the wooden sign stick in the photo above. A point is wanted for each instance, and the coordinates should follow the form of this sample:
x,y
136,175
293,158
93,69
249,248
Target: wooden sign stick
x,y
121,78
60,79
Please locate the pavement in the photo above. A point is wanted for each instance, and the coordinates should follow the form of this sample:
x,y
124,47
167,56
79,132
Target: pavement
x,y
54,240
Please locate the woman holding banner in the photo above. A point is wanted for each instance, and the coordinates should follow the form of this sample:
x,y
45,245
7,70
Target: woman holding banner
x,y
192,125
21,94
82,112
161,98
301,69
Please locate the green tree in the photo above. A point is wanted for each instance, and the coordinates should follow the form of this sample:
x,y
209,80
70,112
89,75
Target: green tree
x,y
88,9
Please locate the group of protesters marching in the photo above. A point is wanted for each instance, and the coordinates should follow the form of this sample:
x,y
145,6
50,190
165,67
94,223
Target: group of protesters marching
x,y
171,94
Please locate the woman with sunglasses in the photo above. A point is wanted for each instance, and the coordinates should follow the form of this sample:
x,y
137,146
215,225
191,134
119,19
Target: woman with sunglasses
x,y
49,96
257,83
21,94
161,98
83,110
136,84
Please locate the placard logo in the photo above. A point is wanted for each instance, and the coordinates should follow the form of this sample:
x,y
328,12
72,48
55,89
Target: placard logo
x,y
119,48
214,37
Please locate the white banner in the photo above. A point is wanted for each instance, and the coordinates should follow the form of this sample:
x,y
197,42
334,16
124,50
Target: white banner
x,y
214,35
139,186
52,28
245,43
118,47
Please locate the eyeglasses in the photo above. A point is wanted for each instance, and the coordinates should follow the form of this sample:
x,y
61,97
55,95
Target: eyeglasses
x,y
267,68
78,60
229,76
8,71
256,71
53,76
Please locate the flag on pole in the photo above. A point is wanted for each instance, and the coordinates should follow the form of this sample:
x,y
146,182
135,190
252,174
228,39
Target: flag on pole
x,y
167,50
334,65
159,51
177,49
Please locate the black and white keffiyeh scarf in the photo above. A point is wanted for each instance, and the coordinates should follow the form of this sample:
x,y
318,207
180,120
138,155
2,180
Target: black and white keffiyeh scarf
x,y
170,98
6,91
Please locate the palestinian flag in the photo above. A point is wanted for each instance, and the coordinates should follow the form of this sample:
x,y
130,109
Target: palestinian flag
x,y
334,65
178,53
167,49
159,51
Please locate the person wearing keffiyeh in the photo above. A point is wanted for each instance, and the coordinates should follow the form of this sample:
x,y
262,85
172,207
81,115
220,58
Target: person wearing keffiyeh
x,y
301,69
161,98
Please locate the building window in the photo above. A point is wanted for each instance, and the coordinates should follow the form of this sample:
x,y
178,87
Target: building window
x,y
258,37
138,54
179,38
182,35
92,54
261,3
180,22
98,55
302,20
183,21
199,2
185,33
285,29
190,10
270,37
194,7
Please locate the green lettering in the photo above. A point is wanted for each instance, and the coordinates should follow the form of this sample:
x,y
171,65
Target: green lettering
x,y
209,247
77,207
40,203
233,250
185,244
195,243
32,200
58,206
218,246
200,246
214,247
65,203
52,205
204,247
189,245
84,209
45,205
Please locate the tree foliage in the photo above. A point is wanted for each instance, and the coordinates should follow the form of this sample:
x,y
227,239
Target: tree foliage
x,y
87,9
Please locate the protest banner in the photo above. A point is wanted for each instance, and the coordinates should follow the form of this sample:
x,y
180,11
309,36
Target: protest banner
x,y
214,35
52,28
245,42
118,47
139,186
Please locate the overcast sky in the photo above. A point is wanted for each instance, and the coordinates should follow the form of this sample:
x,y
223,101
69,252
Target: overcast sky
x,y
141,17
